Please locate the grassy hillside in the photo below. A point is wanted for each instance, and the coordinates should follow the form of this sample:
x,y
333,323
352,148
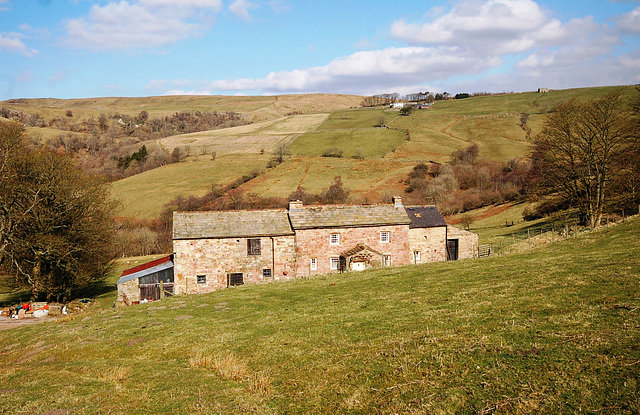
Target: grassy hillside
x,y
144,195
258,108
545,332
312,123
364,178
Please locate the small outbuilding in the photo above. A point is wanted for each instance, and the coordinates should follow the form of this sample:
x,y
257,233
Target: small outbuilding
x,y
149,281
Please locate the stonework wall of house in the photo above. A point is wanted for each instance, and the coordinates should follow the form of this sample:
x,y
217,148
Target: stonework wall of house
x,y
467,242
216,258
315,243
129,289
430,242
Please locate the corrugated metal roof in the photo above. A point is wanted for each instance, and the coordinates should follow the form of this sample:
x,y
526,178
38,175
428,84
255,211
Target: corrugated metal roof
x,y
230,224
310,217
156,265
425,217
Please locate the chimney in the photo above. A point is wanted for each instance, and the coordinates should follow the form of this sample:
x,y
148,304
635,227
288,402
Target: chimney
x,y
397,201
295,205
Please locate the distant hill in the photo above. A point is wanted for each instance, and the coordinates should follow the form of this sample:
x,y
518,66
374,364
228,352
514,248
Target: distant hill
x,y
378,146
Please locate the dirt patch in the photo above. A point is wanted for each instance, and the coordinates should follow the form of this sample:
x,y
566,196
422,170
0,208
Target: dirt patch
x,y
135,341
11,323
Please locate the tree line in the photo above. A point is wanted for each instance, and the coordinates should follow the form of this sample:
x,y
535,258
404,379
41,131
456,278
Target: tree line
x,y
109,145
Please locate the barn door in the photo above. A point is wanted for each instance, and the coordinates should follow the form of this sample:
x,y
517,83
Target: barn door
x,y
150,292
452,249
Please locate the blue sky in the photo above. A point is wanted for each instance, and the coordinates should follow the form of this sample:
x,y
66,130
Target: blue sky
x,y
94,48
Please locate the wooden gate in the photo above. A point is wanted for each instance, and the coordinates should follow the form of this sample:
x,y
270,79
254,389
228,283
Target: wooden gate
x,y
155,291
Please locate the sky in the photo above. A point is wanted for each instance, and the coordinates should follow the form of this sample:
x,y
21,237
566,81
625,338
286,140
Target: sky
x,y
133,48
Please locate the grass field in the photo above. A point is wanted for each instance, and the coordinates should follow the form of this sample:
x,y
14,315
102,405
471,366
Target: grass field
x,y
144,195
358,118
364,178
542,332
256,138
368,142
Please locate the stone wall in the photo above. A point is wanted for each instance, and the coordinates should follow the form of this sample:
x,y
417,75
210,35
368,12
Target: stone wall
x,y
430,242
130,290
215,258
314,243
467,242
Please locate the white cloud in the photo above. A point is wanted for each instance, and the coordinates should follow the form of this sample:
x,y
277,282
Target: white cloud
x,y
240,8
630,22
491,45
11,42
280,6
133,25
480,27
399,69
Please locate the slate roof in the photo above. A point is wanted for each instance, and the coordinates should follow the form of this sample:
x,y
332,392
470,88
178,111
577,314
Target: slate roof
x,y
425,217
337,216
147,268
230,224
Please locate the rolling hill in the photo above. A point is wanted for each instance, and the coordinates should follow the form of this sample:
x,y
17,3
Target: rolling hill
x,y
384,145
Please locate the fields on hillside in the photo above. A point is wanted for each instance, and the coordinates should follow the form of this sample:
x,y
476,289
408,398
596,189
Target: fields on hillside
x,y
370,143
546,332
144,195
312,123
365,178
261,137
258,108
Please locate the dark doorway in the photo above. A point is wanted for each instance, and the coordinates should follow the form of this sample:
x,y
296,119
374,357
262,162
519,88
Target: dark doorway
x,y
452,249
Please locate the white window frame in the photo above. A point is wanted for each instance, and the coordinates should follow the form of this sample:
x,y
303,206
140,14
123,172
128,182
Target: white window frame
x,y
334,239
313,265
385,237
386,260
201,279
416,255
334,263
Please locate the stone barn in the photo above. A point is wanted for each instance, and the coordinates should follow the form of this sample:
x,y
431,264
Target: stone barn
x,y
461,244
148,281
221,249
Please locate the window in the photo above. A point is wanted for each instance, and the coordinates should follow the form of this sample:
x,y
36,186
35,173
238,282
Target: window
x,y
266,272
334,239
253,246
314,264
202,279
387,260
416,255
335,263
384,237
235,278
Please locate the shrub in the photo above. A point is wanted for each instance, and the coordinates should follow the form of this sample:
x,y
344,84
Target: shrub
x,y
332,152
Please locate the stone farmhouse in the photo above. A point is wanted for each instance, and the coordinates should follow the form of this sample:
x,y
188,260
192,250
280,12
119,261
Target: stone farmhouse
x,y
214,250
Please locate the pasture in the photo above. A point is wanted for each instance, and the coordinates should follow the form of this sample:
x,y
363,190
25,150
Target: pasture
x,y
541,332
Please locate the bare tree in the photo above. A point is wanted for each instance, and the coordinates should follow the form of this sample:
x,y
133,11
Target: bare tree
x,y
580,152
